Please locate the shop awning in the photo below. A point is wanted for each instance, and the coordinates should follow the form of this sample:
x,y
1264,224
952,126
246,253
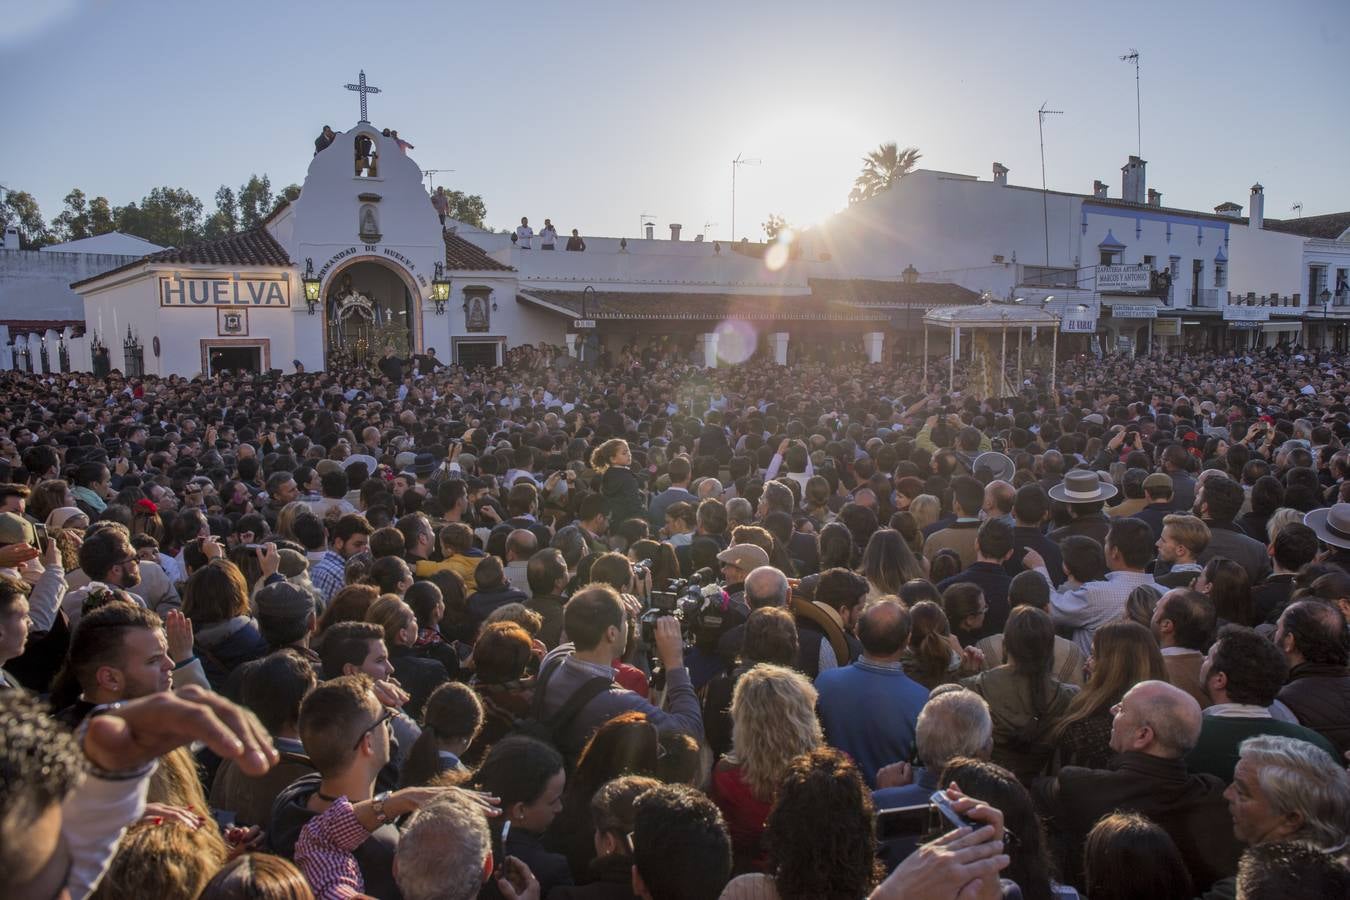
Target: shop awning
x,y
1281,327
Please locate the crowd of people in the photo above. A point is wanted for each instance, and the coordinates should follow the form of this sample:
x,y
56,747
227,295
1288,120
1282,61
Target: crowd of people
x,y
657,631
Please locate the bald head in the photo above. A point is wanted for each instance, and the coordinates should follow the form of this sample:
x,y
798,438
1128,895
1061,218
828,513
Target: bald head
x,y
998,498
520,544
709,487
1158,719
766,586
883,629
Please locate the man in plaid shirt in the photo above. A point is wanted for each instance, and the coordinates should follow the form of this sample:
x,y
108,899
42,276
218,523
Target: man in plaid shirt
x,y
350,536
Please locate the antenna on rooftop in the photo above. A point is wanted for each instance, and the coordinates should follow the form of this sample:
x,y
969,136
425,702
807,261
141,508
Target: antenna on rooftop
x,y
736,163
1045,204
1297,209
708,226
1133,56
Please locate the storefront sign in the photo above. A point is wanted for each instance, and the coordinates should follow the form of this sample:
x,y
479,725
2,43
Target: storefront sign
x,y
1134,312
1246,314
579,324
224,292
1167,328
1122,278
1077,325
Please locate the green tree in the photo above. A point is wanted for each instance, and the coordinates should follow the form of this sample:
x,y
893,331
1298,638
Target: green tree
x,y
225,220
167,216
882,170
290,192
467,208
776,225
20,209
73,222
255,201
101,218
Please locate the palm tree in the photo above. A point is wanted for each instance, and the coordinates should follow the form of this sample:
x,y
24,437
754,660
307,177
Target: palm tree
x,y
882,170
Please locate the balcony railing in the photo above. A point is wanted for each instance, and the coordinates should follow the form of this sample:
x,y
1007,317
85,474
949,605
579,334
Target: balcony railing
x,y
1205,298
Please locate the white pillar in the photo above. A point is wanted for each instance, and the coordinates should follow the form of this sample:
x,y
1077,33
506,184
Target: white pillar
x,y
573,340
709,344
873,341
956,342
20,344
779,342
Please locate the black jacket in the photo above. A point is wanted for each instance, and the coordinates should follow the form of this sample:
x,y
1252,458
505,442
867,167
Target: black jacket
x,y
1270,597
1227,541
418,675
550,606
612,879
550,868
1319,695
1154,514
1190,808
1027,538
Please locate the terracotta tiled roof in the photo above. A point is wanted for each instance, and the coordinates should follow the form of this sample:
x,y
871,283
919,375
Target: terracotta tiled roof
x,y
661,305
869,292
255,247
1328,227
463,254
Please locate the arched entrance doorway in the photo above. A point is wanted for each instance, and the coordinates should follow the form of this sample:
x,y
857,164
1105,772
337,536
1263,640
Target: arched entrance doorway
x,y
368,306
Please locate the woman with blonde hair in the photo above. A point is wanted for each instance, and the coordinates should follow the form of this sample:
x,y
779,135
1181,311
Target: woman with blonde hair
x,y
286,519
618,484
1123,654
773,721
164,859
926,509
418,675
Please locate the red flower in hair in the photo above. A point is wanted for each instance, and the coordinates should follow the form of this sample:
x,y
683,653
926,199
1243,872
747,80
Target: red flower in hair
x,y
147,506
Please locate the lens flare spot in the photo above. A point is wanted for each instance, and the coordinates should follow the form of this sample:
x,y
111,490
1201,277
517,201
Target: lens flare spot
x,y
736,341
776,256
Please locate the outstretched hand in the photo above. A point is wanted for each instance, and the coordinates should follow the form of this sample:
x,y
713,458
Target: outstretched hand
x,y
140,731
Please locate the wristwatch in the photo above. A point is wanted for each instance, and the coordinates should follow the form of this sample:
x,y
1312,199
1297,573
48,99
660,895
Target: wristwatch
x,y
378,803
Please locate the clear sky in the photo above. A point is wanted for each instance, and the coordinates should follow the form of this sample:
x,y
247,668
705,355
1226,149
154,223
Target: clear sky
x,y
593,113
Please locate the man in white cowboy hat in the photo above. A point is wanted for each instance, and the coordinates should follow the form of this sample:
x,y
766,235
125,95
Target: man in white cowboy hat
x,y
1086,495
1129,547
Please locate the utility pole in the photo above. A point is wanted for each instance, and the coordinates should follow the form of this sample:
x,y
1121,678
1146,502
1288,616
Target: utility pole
x,y
1133,56
740,160
1045,203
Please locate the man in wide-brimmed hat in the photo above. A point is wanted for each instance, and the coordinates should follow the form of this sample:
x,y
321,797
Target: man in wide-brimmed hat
x,y
1086,495
1332,525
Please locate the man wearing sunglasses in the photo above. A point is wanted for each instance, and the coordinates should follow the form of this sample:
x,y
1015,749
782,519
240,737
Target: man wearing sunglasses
x,y
338,829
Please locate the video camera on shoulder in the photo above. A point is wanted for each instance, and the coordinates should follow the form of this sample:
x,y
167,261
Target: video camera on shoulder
x,y
698,603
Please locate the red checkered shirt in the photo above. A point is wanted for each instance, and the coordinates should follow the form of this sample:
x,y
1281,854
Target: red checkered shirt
x,y
324,852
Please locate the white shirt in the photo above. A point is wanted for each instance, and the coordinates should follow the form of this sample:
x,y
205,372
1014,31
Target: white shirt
x,y
547,235
523,235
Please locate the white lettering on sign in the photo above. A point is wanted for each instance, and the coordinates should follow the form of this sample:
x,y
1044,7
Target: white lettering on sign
x,y
224,292
372,249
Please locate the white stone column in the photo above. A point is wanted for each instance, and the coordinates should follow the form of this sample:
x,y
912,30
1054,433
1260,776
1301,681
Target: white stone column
x,y
779,342
20,344
573,340
708,342
873,341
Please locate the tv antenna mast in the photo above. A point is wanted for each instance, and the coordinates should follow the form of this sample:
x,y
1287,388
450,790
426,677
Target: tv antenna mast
x,y
736,163
1297,209
1133,56
1045,203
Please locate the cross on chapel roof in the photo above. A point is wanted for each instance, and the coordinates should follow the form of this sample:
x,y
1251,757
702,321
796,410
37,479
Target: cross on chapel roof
x,y
362,88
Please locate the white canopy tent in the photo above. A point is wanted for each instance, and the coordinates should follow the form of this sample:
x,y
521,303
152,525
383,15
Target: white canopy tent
x,y
988,317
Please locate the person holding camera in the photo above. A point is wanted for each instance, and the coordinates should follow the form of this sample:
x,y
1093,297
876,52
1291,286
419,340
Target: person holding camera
x,y
597,623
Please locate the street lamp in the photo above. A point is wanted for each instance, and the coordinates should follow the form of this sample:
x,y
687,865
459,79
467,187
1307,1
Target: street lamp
x,y
312,284
440,288
587,293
